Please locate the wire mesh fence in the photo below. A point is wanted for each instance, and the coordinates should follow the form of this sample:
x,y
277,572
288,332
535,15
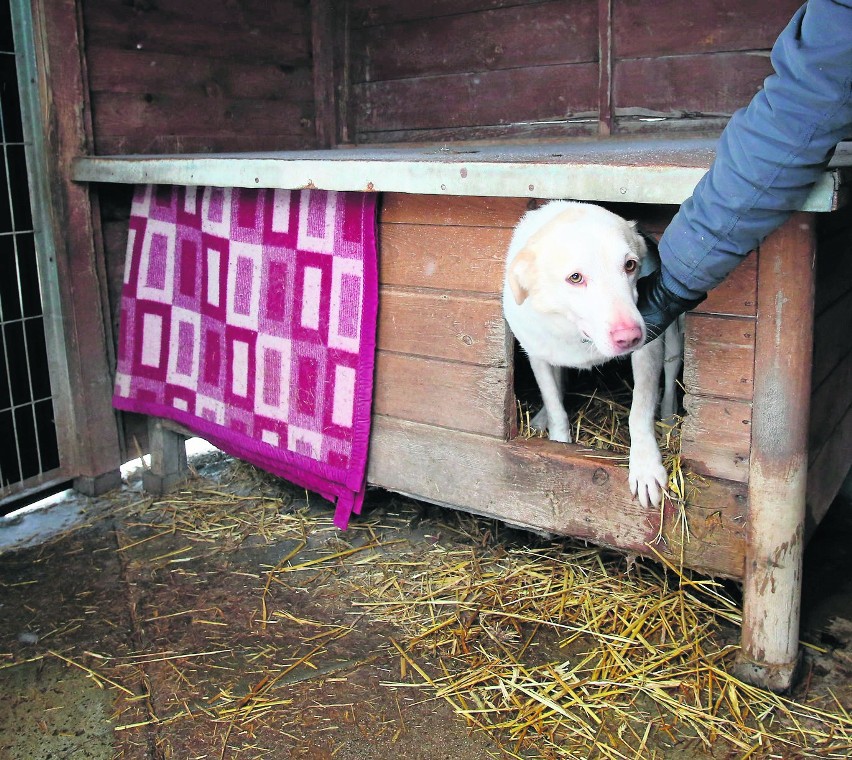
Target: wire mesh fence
x,y
28,441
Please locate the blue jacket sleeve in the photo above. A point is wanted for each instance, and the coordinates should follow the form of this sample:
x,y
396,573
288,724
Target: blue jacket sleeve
x,y
770,154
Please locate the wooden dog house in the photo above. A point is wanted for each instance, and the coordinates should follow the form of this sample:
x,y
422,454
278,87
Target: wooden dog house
x,y
462,113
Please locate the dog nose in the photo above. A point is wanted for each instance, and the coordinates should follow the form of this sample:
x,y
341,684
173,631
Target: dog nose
x,y
626,337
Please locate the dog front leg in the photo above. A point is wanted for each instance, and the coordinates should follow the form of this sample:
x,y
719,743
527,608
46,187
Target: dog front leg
x,y
549,379
648,477
672,364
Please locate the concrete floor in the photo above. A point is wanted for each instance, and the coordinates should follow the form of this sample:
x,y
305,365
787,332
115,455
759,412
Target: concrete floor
x,y
83,609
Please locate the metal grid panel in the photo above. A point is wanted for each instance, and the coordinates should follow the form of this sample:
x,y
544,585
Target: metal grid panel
x,y
29,451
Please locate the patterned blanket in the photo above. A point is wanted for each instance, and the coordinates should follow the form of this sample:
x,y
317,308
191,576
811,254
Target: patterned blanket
x,y
249,316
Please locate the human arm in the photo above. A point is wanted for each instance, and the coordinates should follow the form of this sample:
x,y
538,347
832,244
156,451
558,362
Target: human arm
x,y
767,160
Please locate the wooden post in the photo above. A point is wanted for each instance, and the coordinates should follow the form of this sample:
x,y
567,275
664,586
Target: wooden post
x,y
779,455
63,89
322,47
605,118
168,458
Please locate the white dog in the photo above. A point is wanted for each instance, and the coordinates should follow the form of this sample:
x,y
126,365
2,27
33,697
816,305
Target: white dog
x,y
570,299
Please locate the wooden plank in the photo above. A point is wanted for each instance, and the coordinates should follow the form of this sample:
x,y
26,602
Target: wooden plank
x,y
605,121
829,402
524,36
834,264
144,71
679,125
695,85
93,437
189,28
467,259
716,437
580,127
832,337
244,17
552,487
828,470
376,12
181,113
447,394
737,295
464,100
456,211
719,356
193,144
322,55
115,247
443,326
642,29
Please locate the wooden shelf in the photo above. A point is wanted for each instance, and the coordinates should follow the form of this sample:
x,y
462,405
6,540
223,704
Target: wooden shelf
x,y
613,170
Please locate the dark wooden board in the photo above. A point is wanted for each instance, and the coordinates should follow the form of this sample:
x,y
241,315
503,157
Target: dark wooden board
x,y
452,395
737,295
830,401
375,12
443,326
228,31
719,357
689,84
524,36
142,72
668,27
553,487
467,259
222,142
119,113
470,100
833,262
832,338
828,469
716,437
455,211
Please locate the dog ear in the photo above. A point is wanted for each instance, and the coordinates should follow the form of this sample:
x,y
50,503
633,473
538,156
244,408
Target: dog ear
x,y
521,273
639,243
517,270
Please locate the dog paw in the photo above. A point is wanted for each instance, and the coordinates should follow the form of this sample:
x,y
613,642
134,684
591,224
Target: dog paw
x,y
557,430
539,421
648,477
559,434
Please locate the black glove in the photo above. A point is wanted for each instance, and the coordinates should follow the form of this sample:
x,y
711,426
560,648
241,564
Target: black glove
x,y
660,307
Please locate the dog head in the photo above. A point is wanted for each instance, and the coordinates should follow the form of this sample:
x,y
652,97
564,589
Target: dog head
x,y
579,263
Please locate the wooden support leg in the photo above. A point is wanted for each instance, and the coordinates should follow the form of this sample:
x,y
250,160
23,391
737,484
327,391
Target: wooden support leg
x,y
779,456
168,458
95,485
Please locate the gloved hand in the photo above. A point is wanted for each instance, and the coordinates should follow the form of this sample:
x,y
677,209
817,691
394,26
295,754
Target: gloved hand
x,y
660,307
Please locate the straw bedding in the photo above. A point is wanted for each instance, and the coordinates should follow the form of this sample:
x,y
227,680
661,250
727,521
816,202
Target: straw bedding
x,y
552,649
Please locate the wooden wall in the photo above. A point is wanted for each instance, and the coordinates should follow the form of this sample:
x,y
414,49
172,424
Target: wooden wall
x,y
444,356
444,399
183,76
462,69
718,377
830,432
178,76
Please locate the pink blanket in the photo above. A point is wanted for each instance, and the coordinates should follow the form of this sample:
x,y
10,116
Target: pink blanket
x,y
249,316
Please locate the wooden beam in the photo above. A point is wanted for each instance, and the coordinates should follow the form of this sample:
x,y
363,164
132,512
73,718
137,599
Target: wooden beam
x,y
89,345
778,462
605,62
554,487
322,47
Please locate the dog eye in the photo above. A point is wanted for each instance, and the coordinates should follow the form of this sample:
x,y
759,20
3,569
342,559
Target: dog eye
x,y
630,265
575,279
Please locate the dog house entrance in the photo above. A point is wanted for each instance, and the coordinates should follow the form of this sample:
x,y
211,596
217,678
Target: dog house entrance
x,y
597,401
